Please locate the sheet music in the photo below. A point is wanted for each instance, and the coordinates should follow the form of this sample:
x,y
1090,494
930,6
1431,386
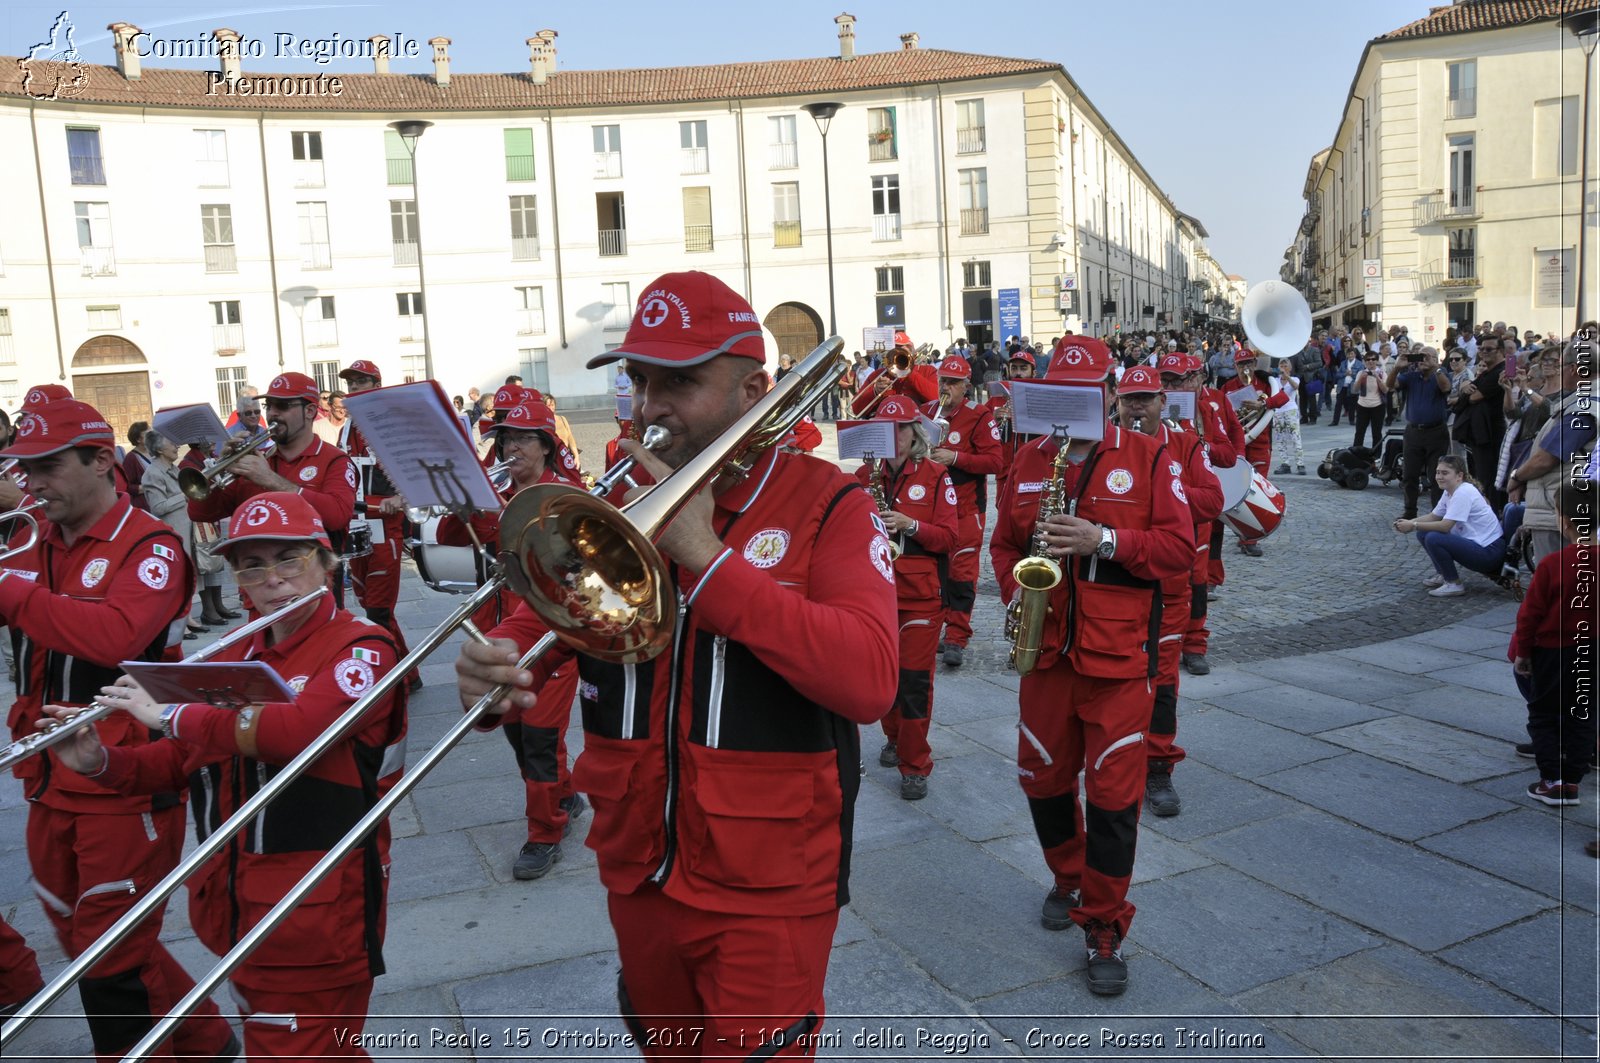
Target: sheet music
x,y
625,407
1238,398
229,684
413,430
1180,406
877,339
197,423
857,439
1043,409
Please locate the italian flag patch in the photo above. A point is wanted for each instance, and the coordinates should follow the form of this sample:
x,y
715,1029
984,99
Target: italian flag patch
x,y
163,551
370,656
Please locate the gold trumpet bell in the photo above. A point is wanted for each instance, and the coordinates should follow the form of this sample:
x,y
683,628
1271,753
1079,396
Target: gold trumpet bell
x,y
589,572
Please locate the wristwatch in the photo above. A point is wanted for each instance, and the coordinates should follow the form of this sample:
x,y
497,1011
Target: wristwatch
x,y
1108,543
166,720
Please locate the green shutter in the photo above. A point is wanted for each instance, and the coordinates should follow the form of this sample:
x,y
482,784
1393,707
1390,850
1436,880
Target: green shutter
x,y
397,158
519,154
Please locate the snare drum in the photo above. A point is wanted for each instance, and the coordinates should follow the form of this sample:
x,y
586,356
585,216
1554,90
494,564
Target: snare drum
x,y
451,569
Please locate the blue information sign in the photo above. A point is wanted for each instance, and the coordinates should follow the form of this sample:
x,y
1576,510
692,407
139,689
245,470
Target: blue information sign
x,y
1010,312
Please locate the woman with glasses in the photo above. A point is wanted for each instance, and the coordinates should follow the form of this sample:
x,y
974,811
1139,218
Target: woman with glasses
x,y
1371,388
1460,375
526,440
304,992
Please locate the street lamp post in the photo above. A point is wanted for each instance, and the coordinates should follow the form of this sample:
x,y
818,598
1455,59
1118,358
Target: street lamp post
x,y
1586,27
822,114
298,297
409,132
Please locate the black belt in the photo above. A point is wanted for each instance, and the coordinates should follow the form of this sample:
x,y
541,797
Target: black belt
x,y
1431,424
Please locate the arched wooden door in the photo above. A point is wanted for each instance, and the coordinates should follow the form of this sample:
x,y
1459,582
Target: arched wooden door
x,y
796,327
103,375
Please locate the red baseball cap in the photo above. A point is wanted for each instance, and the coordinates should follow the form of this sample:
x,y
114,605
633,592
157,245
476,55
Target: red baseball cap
x,y
902,340
52,427
899,409
40,394
1022,356
511,395
1079,360
686,319
362,367
280,516
287,386
955,366
531,415
1140,380
1181,364
1245,355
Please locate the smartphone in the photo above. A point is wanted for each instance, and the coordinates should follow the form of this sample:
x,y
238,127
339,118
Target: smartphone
x,y
1511,366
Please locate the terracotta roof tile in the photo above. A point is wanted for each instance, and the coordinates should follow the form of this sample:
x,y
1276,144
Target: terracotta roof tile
x,y
1474,15
563,89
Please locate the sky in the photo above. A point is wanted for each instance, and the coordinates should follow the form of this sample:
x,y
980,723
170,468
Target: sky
x,y
1223,103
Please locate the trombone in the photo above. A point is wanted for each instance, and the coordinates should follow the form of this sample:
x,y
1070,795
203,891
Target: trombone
x,y
555,539
199,483
60,729
26,515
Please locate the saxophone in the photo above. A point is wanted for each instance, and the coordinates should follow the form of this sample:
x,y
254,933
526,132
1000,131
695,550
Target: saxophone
x,y
1036,576
881,500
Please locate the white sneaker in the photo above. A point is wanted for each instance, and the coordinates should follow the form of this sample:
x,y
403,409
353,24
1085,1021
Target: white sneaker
x,y
1448,590
1434,581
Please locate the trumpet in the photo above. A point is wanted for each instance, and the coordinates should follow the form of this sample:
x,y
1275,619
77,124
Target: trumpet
x,y
26,515
59,729
197,484
898,366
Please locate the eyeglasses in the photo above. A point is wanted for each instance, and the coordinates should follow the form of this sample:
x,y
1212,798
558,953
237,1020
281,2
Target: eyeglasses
x,y
288,568
1458,360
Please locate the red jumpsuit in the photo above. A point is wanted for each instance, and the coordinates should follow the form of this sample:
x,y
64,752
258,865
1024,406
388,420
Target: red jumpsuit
x,y
109,597
1224,437
309,982
538,736
723,773
19,968
1011,441
376,576
1204,495
922,491
325,477
1086,706
975,438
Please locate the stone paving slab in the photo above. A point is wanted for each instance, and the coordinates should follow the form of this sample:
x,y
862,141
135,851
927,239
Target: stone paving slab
x,y
1215,801
1373,1002
975,796
1382,796
1332,673
1411,896
435,864
1201,921
1544,853
1243,746
1548,961
1406,657
1491,676
1294,708
1494,715
1462,638
1220,685
1425,746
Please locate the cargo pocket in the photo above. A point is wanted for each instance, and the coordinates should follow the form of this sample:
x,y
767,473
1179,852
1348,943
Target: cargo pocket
x,y
626,828
756,826
317,933
1113,629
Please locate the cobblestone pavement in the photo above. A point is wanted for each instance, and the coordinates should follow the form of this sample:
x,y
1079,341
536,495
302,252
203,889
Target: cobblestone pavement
x,y
1356,872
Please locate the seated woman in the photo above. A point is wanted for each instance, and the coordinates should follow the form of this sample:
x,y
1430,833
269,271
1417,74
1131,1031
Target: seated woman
x,y
303,993
1462,529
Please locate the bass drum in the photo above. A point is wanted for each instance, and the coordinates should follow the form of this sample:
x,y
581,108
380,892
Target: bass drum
x,y
1259,515
451,569
1235,480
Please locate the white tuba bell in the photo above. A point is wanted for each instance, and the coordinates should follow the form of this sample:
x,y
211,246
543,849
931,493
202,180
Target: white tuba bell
x,y
1276,319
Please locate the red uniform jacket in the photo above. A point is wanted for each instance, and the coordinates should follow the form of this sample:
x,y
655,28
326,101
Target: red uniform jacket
x,y
109,598
1224,435
976,440
1105,615
325,477
726,769
1192,466
922,491
1259,448
335,937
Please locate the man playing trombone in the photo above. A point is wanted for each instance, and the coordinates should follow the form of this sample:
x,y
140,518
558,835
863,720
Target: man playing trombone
x,y
111,583
723,773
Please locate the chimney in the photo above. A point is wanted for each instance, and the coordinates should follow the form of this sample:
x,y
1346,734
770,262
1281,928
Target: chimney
x,y
549,38
441,61
847,35
536,70
122,35
908,41
380,53
228,48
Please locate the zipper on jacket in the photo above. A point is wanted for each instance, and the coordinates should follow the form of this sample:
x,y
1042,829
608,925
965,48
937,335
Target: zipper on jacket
x,y
669,805
291,1021
719,667
120,886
